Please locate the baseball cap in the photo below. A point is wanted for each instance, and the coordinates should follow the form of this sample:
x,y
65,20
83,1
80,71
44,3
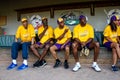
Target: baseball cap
x,y
82,16
44,18
114,18
60,20
23,19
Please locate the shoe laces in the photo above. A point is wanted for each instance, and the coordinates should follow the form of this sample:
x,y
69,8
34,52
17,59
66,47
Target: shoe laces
x,y
97,67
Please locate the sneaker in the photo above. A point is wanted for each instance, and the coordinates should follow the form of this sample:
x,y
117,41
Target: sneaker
x,y
11,66
114,68
86,52
77,67
22,67
57,64
66,66
96,68
42,63
36,64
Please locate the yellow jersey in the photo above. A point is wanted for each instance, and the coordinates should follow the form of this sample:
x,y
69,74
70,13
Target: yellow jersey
x,y
58,32
25,35
48,34
83,33
109,33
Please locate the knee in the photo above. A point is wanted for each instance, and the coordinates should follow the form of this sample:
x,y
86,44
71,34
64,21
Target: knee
x,y
15,45
97,44
51,48
116,45
74,45
67,48
32,47
47,47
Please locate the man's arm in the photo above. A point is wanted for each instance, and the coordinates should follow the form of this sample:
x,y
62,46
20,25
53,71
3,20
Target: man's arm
x,y
108,38
48,40
60,37
89,40
118,39
77,40
32,42
16,40
67,41
42,34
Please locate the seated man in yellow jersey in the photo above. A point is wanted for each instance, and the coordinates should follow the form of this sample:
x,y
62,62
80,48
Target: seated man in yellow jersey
x,y
111,40
83,35
45,34
63,35
26,33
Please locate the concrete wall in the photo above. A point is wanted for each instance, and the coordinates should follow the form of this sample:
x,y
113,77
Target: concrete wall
x,y
98,21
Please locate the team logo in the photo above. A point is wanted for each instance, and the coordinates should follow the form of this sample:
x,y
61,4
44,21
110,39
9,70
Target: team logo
x,y
36,21
111,13
71,18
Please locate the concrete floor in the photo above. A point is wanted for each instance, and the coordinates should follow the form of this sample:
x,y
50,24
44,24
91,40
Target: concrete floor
x,y
49,73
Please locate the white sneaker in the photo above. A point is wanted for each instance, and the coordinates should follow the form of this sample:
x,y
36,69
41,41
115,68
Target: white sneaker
x,y
96,68
77,67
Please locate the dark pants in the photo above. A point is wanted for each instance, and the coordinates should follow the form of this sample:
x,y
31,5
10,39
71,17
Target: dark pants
x,y
37,38
17,46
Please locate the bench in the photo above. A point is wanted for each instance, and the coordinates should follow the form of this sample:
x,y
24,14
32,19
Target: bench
x,y
104,57
6,40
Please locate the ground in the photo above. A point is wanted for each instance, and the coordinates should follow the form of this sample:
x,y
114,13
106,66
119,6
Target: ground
x,y
49,73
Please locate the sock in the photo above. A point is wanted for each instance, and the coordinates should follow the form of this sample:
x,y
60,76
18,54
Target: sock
x,y
14,61
78,63
113,65
94,63
25,61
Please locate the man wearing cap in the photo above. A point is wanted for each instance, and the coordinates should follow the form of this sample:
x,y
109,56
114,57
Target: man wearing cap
x,y
26,34
45,34
83,35
111,40
62,34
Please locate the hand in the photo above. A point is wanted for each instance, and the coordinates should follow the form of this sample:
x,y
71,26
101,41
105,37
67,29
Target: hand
x,y
46,28
62,46
66,30
83,44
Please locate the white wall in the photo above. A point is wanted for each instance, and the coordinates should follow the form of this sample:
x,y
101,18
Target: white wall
x,y
98,21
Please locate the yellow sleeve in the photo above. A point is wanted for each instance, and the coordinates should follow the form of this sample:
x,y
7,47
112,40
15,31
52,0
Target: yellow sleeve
x,y
32,31
106,31
18,32
51,32
118,31
91,32
69,34
75,33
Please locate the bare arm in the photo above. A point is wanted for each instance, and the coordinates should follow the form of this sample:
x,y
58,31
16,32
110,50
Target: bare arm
x,y
48,40
108,38
32,42
16,40
118,39
76,39
42,34
60,37
89,40
67,41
